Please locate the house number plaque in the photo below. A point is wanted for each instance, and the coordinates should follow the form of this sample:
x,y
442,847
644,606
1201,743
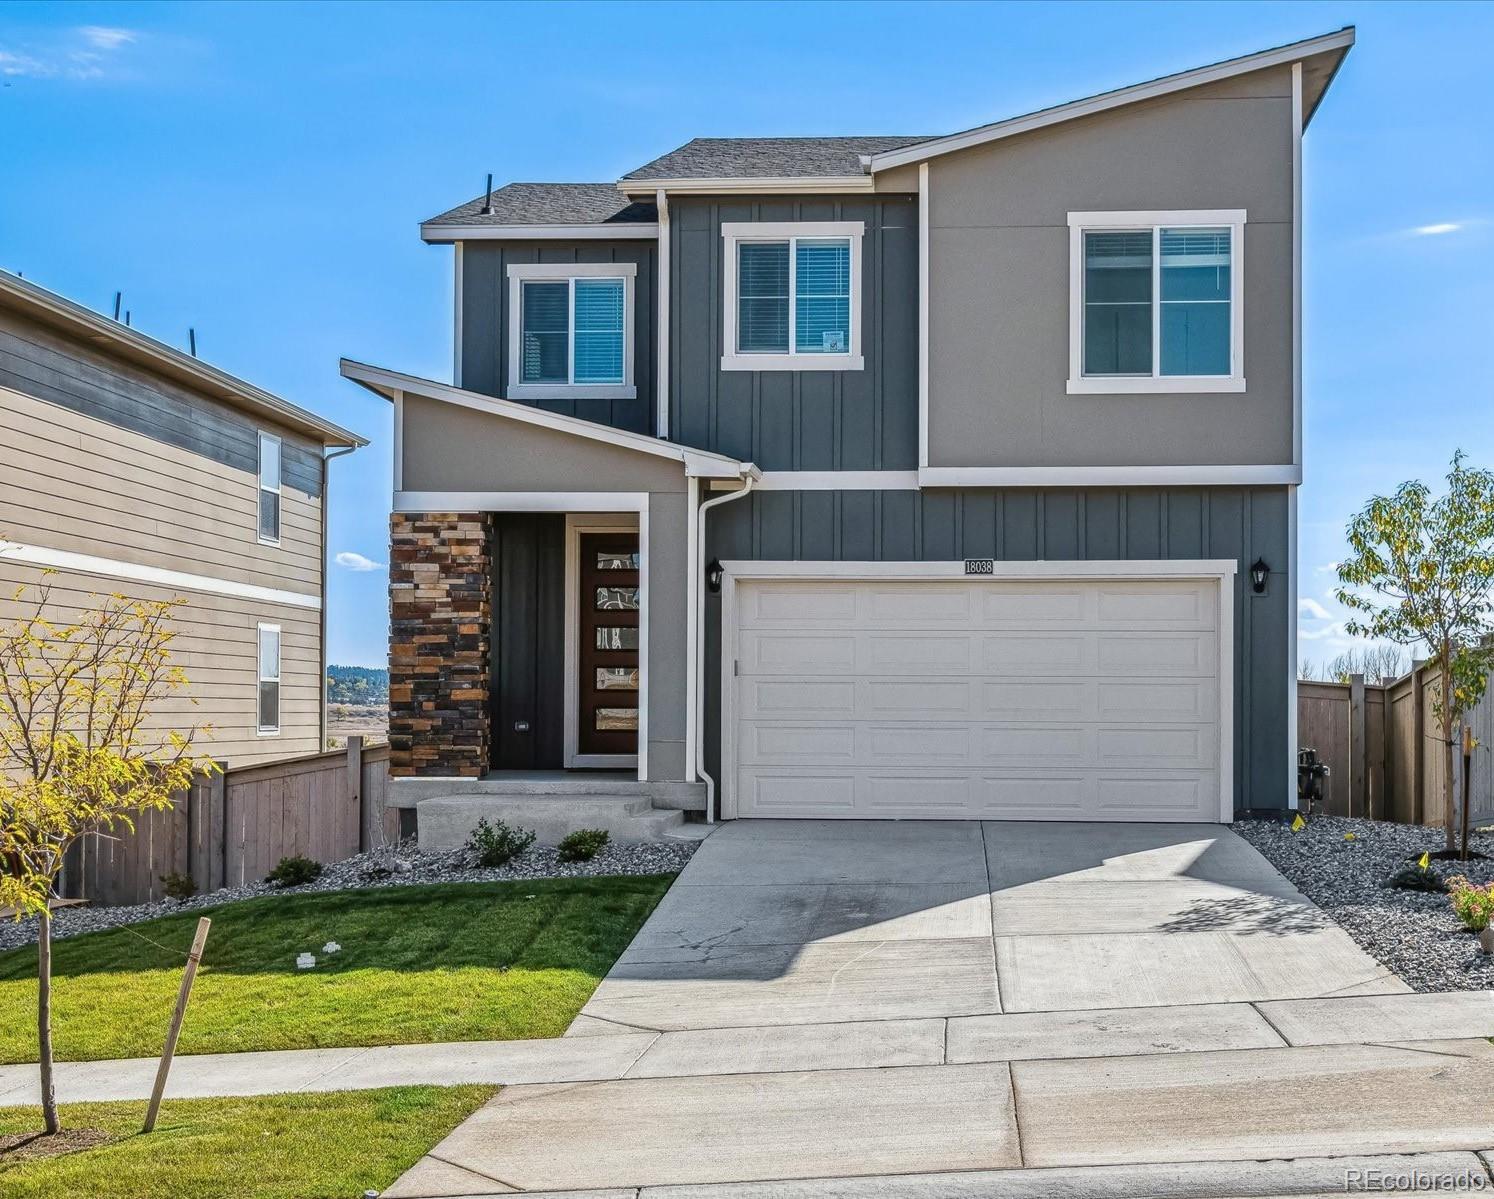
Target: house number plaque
x,y
980,566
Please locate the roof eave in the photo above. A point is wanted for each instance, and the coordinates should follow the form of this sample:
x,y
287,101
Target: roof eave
x,y
169,362
698,463
1340,40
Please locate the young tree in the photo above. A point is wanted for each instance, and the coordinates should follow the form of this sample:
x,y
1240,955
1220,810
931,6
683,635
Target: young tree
x,y
1421,574
79,752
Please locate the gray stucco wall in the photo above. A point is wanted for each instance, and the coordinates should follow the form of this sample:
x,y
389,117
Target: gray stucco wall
x,y
798,420
1026,525
999,282
485,317
450,448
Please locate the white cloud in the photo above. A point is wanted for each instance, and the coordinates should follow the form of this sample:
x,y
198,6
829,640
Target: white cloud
x,y
1307,606
86,52
351,561
1437,229
1326,568
104,37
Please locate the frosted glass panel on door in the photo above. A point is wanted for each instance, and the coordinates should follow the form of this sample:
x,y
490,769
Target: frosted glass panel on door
x,y
617,638
617,599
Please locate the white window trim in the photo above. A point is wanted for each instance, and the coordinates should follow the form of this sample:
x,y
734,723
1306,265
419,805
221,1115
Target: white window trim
x,y
279,489
1156,384
735,232
518,273
266,730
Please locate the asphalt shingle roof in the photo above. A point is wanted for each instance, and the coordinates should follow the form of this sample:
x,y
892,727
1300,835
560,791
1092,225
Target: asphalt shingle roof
x,y
551,204
767,157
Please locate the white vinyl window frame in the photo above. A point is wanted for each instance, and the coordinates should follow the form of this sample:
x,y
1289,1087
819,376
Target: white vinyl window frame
x,y
734,233
1154,222
261,678
554,272
270,442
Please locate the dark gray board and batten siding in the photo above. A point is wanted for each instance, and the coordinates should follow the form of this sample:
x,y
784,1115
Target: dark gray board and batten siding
x,y
798,420
37,362
485,322
1056,525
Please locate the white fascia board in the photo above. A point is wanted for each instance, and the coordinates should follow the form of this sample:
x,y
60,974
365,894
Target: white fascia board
x,y
521,501
701,463
1109,476
832,480
633,231
1166,86
794,185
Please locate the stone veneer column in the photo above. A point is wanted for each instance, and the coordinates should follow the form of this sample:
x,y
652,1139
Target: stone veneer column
x,y
440,620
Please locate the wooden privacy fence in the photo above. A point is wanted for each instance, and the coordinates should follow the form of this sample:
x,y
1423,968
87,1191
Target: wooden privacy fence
x,y
1381,745
233,827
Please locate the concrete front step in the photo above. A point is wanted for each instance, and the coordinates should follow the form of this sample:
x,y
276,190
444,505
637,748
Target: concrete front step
x,y
446,821
685,797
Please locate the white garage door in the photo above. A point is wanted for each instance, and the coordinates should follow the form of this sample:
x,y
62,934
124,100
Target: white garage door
x,y
954,698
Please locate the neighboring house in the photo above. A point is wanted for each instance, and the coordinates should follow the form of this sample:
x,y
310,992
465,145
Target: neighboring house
x,y
876,476
131,467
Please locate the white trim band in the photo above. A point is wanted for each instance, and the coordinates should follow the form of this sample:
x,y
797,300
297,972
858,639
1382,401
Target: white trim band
x,y
521,501
44,556
1109,476
460,233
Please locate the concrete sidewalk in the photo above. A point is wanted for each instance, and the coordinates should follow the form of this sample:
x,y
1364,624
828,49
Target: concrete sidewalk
x,y
603,1056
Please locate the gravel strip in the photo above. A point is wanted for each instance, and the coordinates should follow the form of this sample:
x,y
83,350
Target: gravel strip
x,y
396,866
1413,932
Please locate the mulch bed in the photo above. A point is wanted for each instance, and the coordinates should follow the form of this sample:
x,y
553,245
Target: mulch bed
x,y
31,1146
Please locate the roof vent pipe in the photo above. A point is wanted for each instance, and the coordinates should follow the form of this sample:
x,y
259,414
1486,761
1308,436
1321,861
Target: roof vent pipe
x,y
487,207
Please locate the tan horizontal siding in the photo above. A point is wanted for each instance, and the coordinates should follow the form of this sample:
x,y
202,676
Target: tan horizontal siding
x,y
97,489
216,646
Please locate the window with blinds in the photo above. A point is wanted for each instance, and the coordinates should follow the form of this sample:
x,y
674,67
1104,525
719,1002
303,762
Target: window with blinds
x,y
794,296
572,331
1159,302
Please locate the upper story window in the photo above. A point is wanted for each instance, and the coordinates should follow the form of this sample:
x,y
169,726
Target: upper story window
x,y
1156,302
571,330
269,488
792,296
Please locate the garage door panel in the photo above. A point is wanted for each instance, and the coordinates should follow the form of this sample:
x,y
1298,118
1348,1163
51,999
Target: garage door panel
x,y
1075,700
1156,699
804,698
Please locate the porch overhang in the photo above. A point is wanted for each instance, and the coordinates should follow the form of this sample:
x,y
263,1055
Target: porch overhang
x,y
394,386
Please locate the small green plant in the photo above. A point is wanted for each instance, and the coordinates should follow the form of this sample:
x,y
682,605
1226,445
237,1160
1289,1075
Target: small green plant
x,y
583,845
294,872
498,843
1416,877
1473,904
178,886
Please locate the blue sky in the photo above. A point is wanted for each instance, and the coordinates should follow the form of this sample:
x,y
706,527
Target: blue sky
x,y
258,172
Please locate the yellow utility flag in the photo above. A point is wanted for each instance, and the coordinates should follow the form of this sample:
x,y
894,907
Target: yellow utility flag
x,y
1298,824
1425,861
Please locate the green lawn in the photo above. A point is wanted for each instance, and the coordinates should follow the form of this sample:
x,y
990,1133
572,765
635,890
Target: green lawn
x,y
454,962
266,1147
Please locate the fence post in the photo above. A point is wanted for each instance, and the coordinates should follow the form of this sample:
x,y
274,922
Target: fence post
x,y
355,789
217,803
1418,741
1358,750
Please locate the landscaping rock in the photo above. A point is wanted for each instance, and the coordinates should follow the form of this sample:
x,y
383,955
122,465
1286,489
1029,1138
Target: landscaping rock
x,y
400,865
1413,932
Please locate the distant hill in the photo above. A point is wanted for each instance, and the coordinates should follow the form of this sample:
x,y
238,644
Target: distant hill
x,y
357,685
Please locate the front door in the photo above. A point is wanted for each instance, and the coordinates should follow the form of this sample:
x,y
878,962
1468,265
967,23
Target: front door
x,y
607,691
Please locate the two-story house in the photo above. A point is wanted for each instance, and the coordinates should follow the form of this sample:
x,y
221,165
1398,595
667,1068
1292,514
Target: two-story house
x,y
131,467
905,477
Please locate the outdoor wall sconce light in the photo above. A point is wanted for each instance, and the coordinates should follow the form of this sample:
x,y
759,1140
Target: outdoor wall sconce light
x,y
713,576
1258,572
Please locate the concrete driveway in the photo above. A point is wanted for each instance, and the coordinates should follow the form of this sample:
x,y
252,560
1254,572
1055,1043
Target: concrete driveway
x,y
875,1001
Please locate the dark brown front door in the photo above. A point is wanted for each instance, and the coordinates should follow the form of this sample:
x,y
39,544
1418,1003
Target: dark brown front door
x,y
607,722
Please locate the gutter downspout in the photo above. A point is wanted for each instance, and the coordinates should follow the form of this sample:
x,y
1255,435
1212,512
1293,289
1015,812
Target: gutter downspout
x,y
701,773
321,736
661,368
